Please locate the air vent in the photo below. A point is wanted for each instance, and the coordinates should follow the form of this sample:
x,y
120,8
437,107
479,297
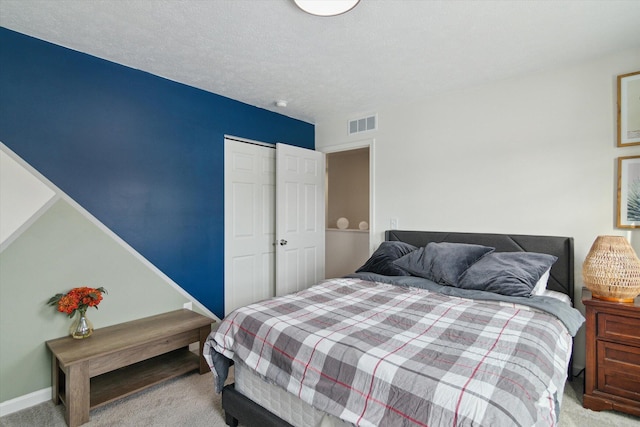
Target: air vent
x,y
362,125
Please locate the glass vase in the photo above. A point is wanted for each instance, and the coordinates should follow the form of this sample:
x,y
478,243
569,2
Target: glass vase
x,y
81,327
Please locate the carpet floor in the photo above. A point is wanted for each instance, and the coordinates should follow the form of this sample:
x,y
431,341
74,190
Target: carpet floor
x,y
190,401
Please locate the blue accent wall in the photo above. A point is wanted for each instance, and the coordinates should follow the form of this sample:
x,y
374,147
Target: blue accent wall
x,y
143,154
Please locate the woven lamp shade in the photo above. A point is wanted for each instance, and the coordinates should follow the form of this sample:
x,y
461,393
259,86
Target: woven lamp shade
x,y
611,270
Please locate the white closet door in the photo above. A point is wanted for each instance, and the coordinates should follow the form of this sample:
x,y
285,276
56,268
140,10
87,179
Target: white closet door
x,y
249,223
300,218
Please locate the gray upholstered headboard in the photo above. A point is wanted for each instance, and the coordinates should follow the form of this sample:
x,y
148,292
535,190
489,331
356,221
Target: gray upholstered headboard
x,y
561,277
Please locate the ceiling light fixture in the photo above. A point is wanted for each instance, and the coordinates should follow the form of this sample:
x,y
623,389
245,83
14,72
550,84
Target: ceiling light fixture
x,y
281,103
326,7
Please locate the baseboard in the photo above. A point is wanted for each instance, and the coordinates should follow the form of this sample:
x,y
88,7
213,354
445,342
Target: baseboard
x,y
26,401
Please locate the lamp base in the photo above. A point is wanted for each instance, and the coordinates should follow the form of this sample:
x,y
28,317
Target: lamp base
x,y
611,299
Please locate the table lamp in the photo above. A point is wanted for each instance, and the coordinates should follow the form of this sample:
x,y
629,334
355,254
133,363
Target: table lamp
x,y
611,270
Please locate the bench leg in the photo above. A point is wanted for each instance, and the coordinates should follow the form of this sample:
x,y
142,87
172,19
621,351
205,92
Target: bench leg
x,y
77,395
204,333
55,380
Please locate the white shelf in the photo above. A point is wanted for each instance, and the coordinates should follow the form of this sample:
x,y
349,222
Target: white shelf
x,y
353,230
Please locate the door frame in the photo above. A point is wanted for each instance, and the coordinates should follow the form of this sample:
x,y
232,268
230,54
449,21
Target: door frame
x,y
348,146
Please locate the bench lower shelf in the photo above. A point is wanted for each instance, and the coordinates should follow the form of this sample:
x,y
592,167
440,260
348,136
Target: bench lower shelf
x,y
131,379
122,382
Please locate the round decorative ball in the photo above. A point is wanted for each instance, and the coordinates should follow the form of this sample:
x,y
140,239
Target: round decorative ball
x,y
342,223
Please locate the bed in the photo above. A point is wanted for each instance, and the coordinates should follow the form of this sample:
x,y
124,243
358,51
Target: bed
x,y
393,345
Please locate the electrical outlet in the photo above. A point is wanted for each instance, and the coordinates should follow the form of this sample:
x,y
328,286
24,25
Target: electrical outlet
x,y
393,224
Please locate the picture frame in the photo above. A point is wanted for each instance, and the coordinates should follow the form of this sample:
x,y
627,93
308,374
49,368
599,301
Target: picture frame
x,y
629,109
628,192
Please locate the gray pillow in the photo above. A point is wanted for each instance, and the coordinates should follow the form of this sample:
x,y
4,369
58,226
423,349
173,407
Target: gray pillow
x,y
507,273
381,262
442,262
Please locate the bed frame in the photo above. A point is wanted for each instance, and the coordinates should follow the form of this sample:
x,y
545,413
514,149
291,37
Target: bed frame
x,y
240,409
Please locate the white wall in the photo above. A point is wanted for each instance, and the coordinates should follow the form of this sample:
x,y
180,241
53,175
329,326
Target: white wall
x,y
530,155
22,195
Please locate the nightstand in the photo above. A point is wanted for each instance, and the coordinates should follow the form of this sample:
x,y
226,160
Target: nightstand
x,y
612,371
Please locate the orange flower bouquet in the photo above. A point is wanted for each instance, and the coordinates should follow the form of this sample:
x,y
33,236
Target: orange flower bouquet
x,y
77,299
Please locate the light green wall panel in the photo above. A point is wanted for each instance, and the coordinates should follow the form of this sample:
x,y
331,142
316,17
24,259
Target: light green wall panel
x,y
61,250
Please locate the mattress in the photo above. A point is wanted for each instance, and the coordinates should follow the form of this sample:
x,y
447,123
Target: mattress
x,y
281,403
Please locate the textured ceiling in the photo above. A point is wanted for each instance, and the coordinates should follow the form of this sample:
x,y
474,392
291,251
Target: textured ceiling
x,y
383,52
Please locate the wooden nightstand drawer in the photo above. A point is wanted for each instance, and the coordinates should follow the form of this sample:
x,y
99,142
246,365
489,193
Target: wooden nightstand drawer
x,y
612,357
622,329
620,369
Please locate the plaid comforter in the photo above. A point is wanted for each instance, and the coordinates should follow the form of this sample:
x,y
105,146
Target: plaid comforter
x,y
382,355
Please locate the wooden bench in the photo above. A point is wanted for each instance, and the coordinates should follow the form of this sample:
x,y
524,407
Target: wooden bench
x,y
120,360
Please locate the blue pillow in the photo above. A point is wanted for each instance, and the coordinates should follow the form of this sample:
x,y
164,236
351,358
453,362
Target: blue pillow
x,y
442,262
381,262
507,273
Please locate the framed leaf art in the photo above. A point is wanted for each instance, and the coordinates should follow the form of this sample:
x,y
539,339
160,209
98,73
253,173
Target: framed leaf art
x,y
629,192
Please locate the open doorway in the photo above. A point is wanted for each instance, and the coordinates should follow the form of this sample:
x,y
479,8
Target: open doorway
x,y
348,211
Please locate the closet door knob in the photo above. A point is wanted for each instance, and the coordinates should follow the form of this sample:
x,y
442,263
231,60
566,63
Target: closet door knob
x,y
283,242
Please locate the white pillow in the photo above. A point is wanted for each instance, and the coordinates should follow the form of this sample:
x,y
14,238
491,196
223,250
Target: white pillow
x,y
541,284
557,295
